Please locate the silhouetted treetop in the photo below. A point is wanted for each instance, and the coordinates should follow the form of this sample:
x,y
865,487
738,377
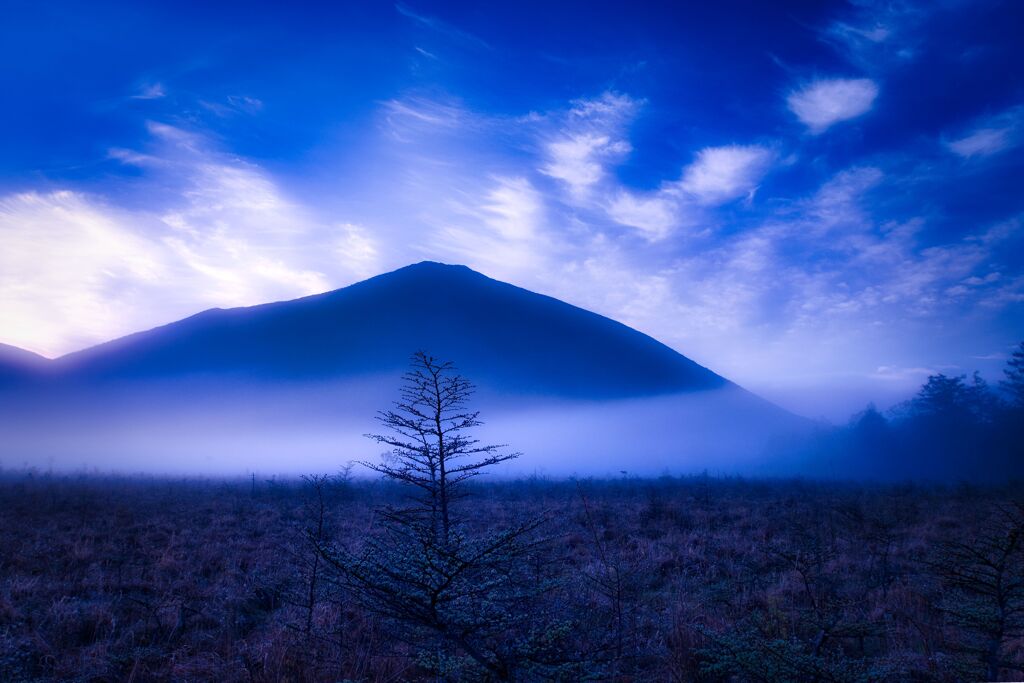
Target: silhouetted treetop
x,y
1013,385
428,432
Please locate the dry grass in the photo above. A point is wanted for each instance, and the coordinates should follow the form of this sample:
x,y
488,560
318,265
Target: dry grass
x,y
149,580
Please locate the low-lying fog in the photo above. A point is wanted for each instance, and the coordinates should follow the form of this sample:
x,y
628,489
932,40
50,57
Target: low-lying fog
x,y
191,428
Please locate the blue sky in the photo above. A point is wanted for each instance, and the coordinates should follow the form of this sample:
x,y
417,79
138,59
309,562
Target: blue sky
x,y
821,201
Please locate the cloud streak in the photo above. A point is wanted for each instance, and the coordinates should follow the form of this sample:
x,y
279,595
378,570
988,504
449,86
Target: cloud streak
x,y
990,136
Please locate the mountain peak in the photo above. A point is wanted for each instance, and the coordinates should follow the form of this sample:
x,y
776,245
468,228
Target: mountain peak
x,y
436,265
430,269
503,337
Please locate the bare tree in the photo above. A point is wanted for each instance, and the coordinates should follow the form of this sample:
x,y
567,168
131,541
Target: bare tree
x,y
431,449
459,590
983,592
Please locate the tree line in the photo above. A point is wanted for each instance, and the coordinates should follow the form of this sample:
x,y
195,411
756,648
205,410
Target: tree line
x,y
954,428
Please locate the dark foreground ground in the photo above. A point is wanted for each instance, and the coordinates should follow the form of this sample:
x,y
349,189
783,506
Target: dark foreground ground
x,y
691,579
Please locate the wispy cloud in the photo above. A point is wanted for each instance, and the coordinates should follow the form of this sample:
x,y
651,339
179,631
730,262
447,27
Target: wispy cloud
x,y
584,144
839,202
717,175
150,91
857,35
225,235
814,272
825,102
654,215
722,174
503,231
411,118
892,373
580,160
233,105
442,27
982,142
588,139
991,135
73,269
357,248
874,35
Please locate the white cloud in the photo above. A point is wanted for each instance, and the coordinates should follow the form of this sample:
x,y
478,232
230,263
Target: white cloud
x,y
589,138
877,33
609,108
721,174
152,91
72,270
874,35
990,135
441,27
234,104
503,232
863,44
235,228
891,373
982,142
838,203
579,160
76,270
654,215
359,250
407,116
825,102
718,175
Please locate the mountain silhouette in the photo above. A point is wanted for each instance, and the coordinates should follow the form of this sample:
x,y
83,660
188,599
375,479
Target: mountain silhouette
x,y
508,338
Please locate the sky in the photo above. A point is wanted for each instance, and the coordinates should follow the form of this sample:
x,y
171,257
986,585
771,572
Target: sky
x,y
823,202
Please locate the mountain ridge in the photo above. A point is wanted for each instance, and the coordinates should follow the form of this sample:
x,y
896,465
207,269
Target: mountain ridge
x,y
496,333
18,365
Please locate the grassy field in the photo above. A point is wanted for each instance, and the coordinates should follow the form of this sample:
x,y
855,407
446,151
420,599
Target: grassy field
x,y
671,579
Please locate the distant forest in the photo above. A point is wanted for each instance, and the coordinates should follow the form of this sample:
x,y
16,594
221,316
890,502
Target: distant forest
x,y
955,428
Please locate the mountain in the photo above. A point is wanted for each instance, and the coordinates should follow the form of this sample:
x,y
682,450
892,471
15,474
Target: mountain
x,y
292,386
503,336
18,365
